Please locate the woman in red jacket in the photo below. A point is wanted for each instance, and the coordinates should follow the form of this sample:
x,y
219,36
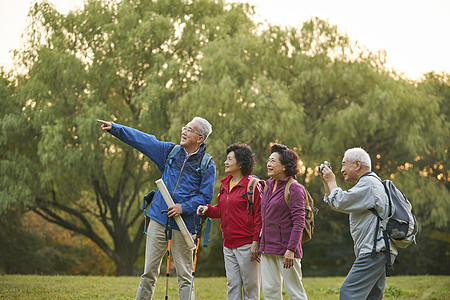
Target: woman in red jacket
x,y
240,223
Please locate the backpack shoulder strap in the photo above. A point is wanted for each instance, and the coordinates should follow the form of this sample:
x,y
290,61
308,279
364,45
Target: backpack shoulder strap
x,y
308,195
386,189
370,173
251,187
169,160
171,155
286,190
204,164
249,195
206,235
385,237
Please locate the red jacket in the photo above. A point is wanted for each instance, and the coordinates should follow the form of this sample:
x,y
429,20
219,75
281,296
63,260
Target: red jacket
x,y
239,226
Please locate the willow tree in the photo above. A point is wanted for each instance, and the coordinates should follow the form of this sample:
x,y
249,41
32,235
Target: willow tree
x,y
153,65
126,61
314,90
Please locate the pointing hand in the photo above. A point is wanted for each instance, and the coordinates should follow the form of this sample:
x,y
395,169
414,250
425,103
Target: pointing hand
x,y
106,126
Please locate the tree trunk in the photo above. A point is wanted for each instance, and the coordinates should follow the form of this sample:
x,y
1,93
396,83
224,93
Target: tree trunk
x,y
125,253
124,263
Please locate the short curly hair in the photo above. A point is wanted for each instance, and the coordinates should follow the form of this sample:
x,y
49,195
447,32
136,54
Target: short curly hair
x,y
288,158
244,157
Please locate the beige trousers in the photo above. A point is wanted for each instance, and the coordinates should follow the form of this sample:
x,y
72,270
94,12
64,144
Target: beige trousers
x,y
155,249
273,274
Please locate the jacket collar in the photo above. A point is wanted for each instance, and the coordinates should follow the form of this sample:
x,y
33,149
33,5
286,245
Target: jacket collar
x,y
201,149
271,181
226,181
370,173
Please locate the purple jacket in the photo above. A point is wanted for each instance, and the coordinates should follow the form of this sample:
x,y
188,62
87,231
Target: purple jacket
x,y
282,226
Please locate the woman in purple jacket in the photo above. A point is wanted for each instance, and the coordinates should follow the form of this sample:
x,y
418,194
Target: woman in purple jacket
x,y
282,227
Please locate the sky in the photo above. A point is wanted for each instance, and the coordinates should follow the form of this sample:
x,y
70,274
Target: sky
x,y
414,33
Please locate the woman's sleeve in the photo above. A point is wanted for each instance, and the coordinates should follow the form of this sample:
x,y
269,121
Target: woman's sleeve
x,y
214,212
297,202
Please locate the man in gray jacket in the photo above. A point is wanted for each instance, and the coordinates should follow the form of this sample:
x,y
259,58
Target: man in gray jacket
x,y
367,277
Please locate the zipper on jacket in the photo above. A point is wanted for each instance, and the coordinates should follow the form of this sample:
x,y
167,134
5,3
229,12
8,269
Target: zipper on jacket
x,y
228,223
179,176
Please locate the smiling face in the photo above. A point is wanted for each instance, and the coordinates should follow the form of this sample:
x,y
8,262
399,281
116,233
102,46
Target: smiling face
x,y
275,168
190,138
231,165
350,170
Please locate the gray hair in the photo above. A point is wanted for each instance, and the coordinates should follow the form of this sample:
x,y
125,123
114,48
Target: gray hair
x,y
204,128
358,154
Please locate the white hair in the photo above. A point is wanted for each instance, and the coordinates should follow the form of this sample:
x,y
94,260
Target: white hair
x,y
358,154
204,128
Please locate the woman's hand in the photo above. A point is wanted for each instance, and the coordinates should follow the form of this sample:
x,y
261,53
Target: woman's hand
x,y
288,259
106,126
255,255
202,209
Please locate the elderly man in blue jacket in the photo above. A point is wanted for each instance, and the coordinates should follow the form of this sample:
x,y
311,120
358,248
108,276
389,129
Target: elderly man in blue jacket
x,y
189,187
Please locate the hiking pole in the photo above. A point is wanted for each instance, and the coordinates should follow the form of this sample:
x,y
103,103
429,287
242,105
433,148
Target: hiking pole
x,y
198,235
168,232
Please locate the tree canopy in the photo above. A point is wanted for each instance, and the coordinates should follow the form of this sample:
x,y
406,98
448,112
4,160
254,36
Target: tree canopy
x,y
154,65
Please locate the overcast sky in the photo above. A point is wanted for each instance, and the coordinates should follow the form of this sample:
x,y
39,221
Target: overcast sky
x,y
414,33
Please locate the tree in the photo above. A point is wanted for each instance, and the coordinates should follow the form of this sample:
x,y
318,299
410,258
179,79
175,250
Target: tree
x,y
313,90
155,65
127,61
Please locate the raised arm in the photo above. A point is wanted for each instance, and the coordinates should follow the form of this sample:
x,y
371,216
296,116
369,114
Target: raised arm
x,y
144,142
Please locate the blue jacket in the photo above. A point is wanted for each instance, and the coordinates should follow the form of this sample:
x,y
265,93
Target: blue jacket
x,y
193,189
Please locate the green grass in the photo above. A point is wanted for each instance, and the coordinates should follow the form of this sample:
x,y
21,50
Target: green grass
x,y
95,287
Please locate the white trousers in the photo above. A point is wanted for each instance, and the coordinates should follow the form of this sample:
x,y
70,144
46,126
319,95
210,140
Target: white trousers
x,y
243,275
155,249
273,274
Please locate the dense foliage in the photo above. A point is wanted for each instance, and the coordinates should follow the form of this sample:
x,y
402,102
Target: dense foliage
x,y
153,65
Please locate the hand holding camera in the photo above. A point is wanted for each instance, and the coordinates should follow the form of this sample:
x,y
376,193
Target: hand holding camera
x,y
328,178
322,166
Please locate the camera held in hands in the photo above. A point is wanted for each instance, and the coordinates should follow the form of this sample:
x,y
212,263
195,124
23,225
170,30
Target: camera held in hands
x,y
322,166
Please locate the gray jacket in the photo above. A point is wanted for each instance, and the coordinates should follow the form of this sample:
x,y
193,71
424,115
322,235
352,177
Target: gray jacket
x,y
366,194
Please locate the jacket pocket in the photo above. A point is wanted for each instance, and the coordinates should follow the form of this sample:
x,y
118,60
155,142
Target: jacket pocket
x,y
248,228
285,232
191,183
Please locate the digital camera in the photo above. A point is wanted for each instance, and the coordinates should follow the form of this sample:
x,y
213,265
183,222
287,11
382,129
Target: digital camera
x,y
322,166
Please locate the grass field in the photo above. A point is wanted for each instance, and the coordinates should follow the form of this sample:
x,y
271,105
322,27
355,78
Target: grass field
x,y
93,287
